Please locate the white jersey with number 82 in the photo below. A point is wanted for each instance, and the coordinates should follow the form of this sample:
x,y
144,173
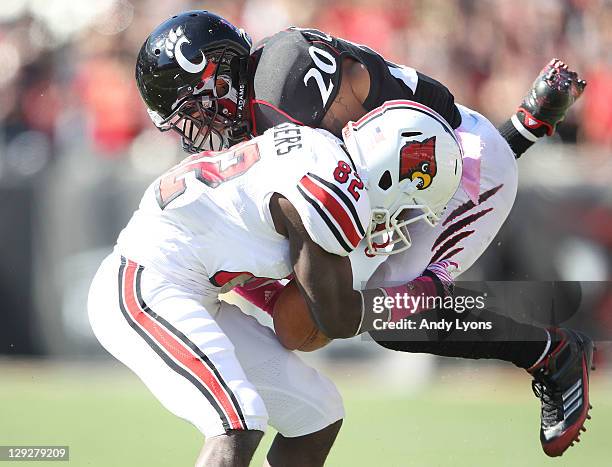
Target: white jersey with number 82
x,y
206,222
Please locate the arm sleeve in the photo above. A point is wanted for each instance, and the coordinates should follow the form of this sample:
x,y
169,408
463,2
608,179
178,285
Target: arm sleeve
x,y
390,81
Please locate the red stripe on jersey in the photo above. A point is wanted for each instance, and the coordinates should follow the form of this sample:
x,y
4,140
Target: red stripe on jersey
x,y
336,51
284,114
335,209
176,348
220,278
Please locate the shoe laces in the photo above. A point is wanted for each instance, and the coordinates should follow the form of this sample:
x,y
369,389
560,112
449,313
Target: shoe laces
x,y
550,397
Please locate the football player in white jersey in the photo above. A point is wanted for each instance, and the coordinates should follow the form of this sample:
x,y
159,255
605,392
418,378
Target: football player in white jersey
x,y
295,202
197,78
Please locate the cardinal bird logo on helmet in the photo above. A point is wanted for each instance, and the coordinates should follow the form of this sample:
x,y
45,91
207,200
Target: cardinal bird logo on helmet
x,y
418,161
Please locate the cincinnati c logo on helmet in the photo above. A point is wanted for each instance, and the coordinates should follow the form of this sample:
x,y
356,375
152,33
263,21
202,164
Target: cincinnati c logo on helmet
x,y
173,44
418,161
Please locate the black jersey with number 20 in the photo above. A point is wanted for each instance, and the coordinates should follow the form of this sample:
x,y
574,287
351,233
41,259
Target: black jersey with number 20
x,y
298,74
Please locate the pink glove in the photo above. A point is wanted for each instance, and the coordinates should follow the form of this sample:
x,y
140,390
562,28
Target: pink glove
x,y
261,292
411,298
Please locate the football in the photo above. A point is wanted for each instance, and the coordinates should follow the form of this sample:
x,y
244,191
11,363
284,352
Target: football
x,y
293,324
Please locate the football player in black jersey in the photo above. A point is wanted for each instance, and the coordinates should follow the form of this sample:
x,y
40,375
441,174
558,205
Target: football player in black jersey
x,y
213,93
200,76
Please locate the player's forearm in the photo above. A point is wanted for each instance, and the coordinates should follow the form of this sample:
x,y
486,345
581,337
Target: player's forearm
x,y
326,283
340,320
325,280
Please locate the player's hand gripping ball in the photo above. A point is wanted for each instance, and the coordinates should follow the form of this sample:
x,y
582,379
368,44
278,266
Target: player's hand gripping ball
x,y
294,327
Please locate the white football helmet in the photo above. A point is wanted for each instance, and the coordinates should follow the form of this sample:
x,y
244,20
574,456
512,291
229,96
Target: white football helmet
x,y
411,163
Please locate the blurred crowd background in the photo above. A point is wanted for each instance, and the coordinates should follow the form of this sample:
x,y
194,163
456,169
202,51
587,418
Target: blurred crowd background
x,y
77,148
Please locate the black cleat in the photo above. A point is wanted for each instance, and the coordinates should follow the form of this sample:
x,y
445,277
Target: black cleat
x,y
550,97
561,382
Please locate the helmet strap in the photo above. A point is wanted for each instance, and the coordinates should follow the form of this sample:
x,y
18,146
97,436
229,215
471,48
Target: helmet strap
x,y
241,127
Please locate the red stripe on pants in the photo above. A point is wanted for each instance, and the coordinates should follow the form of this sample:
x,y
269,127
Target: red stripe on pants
x,y
175,347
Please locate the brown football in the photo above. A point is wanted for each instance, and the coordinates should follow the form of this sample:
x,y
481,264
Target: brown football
x,y
293,324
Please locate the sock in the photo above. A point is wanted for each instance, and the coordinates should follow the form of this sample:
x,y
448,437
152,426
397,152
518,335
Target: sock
x,y
506,339
546,350
422,287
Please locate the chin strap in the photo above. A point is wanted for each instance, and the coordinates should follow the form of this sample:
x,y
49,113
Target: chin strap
x,y
241,127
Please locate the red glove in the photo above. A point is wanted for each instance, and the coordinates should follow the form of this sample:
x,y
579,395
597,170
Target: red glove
x,y
261,292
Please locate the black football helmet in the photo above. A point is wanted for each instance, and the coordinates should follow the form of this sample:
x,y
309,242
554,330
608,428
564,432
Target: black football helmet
x,y
192,74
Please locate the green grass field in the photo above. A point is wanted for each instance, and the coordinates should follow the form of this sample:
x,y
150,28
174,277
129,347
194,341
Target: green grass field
x,y
479,417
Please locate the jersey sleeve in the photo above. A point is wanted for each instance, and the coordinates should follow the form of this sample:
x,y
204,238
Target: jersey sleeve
x,y
299,71
332,217
391,81
332,202
296,80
